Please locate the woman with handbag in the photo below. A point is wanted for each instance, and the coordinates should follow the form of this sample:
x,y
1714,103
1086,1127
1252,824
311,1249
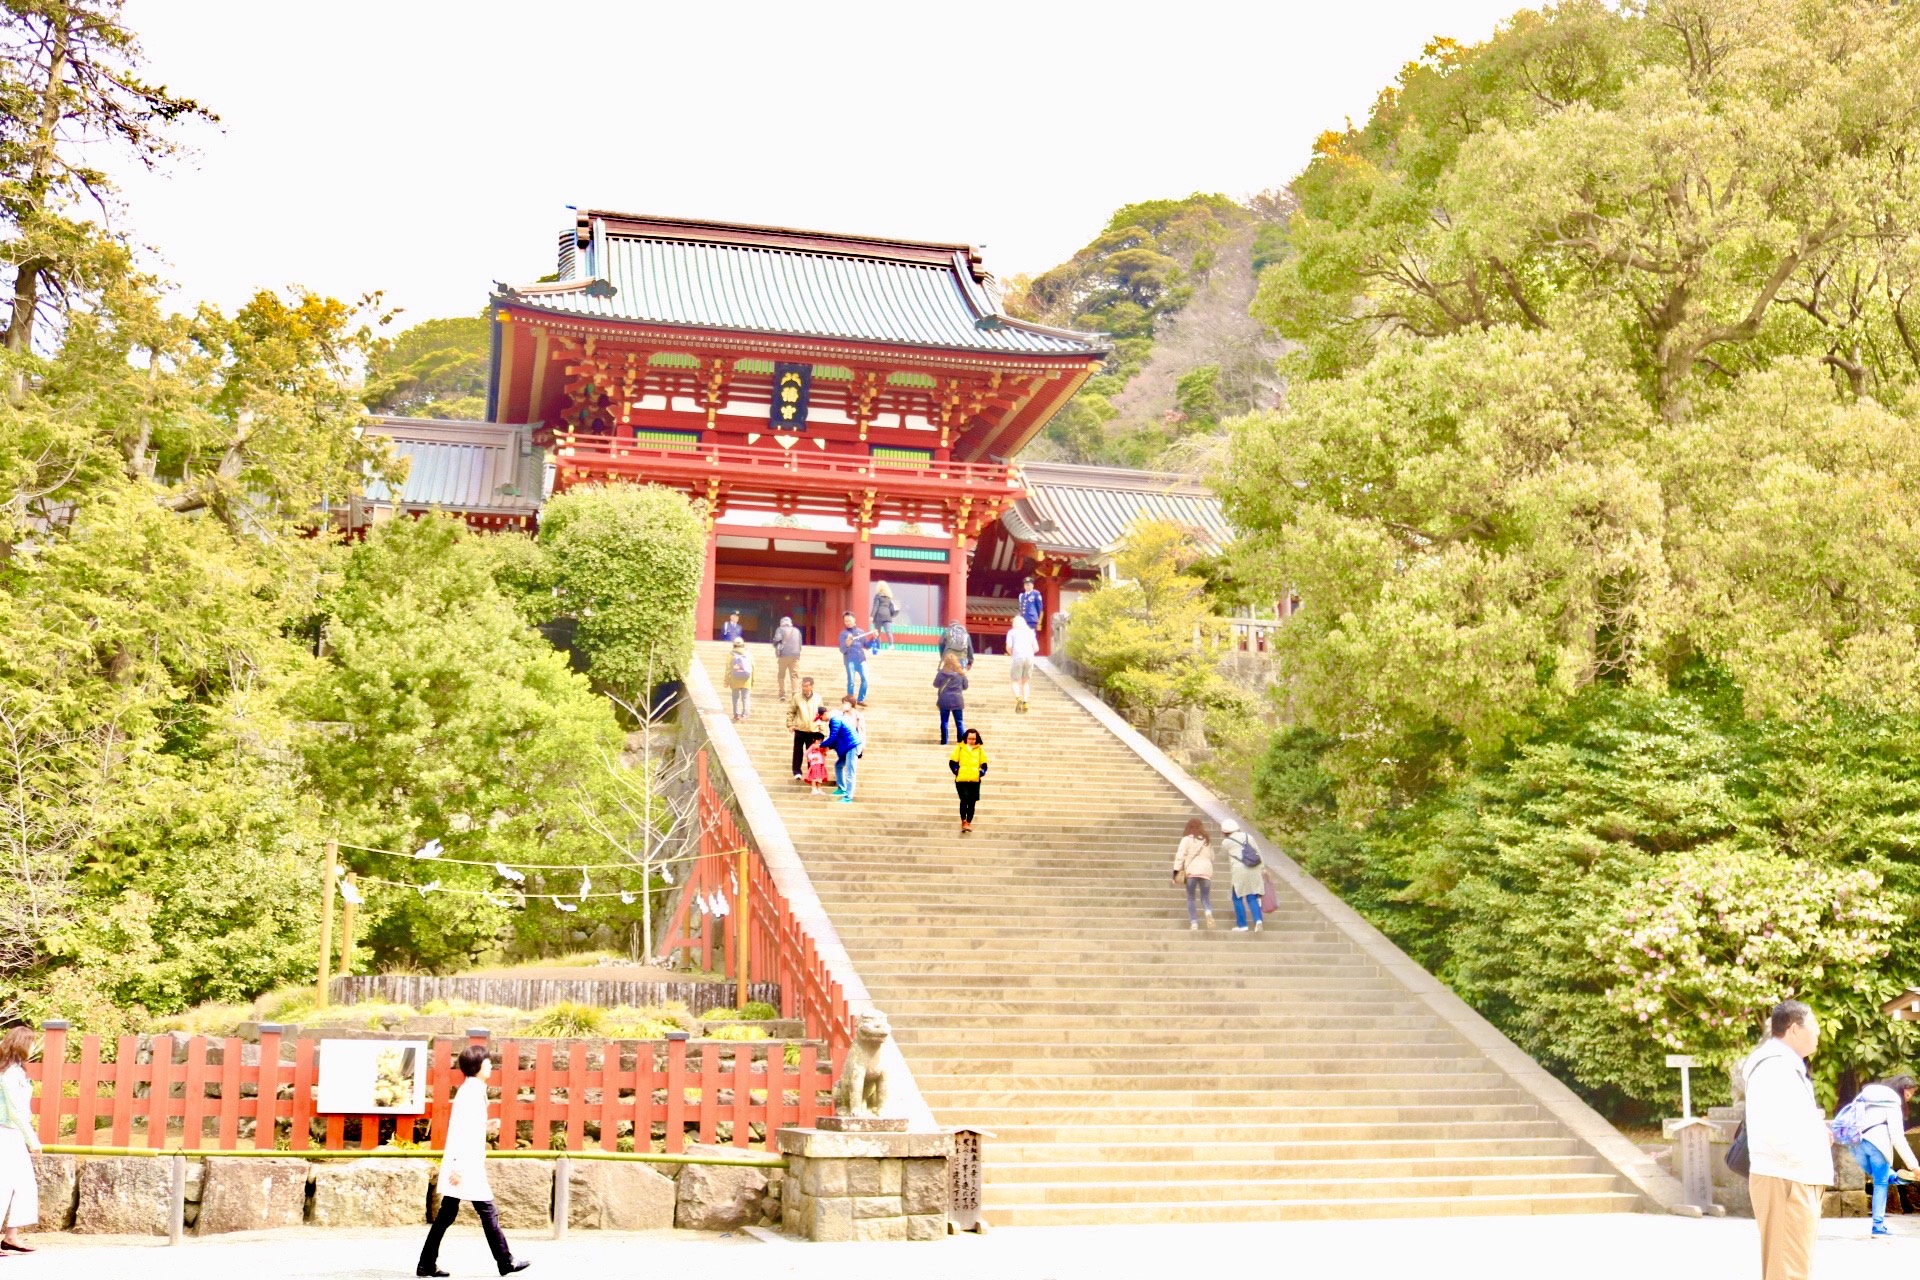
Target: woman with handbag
x,y
1193,867
1249,878
19,1189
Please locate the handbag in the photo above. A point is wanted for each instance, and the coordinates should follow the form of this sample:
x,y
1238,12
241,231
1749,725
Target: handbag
x,y
1270,899
1179,878
1737,1158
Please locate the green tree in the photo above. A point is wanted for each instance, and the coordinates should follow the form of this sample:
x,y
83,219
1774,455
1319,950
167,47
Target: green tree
x,y
627,560
435,369
1143,632
450,720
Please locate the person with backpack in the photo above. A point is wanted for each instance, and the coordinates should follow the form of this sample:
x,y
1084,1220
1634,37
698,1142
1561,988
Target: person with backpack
x,y
804,714
843,739
950,684
740,679
853,655
968,764
1193,869
787,642
882,614
1249,879
955,640
1788,1148
1874,1127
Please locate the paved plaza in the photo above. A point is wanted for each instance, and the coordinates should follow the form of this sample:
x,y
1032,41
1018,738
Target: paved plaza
x,y
1606,1247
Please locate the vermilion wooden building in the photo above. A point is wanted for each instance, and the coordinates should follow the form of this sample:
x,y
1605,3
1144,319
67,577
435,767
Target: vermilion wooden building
x,y
847,408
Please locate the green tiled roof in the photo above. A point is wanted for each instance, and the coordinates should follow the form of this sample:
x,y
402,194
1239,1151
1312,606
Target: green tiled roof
x,y
799,284
1081,510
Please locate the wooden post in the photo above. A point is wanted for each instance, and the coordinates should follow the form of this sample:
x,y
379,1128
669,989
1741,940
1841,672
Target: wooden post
x,y
346,932
326,922
742,906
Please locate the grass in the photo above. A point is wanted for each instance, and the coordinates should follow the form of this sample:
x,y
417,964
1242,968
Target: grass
x,y
756,1011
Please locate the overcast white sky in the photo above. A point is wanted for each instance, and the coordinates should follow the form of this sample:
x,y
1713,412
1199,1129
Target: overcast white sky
x,y
427,147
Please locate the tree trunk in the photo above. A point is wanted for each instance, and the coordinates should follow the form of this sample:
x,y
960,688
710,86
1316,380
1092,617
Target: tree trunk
x,y
26,280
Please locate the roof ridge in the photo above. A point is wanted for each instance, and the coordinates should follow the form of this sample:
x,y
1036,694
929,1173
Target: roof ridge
x,y
834,243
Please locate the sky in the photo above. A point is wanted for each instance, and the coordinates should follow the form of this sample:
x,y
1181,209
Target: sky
x,y
426,148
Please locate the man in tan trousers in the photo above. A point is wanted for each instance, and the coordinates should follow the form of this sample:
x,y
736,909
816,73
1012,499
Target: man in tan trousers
x,y
1790,1150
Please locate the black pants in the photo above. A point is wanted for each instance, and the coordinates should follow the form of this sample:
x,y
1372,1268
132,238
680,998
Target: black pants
x,y
489,1223
969,797
801,741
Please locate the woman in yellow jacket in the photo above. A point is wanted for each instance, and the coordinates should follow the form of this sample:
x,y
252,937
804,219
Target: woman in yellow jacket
x,y
969,764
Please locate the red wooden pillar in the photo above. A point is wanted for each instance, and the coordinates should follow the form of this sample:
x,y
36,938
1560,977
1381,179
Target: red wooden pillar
x,y
862,583
703,620
1049,584
956,582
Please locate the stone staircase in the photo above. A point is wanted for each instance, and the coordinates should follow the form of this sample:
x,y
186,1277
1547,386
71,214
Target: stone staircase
x,y
1043,984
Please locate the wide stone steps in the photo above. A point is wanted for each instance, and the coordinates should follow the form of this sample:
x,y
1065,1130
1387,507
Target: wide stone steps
x,y
1043,984
1379,1200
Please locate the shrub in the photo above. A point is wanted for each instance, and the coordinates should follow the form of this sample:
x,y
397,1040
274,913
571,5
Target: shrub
x,y
569,1018
739,1031
756,1011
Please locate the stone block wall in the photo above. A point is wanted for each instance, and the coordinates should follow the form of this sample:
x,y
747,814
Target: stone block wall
x,y
865,1186
132,1195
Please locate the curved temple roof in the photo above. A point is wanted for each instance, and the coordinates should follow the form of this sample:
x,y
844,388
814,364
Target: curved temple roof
x,y
777,280
1082,511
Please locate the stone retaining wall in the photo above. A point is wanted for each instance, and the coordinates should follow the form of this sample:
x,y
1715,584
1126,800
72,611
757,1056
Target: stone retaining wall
x,y
132,1195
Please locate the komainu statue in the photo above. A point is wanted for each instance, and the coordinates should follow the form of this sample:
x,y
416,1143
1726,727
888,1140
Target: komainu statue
x,y
862,1090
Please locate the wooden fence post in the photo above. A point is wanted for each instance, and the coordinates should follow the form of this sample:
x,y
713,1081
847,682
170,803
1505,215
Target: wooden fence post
x,y
53,1076
326,922
743,908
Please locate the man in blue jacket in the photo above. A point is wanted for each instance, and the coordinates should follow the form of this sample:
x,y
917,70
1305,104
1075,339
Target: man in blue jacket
x,y
844,741
853,652
1032,607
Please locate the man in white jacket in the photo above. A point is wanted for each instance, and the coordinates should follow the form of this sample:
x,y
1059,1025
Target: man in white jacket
x,y
1022,645
463,1169
1790,1150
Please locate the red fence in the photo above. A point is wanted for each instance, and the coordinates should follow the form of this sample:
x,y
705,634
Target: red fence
x,y
221,1095
779,949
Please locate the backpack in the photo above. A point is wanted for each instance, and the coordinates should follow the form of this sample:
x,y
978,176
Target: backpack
x,y
1246,852
1849,1125
741,667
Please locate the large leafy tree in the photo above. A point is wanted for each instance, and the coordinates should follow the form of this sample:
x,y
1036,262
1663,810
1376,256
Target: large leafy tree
x,y
435,369
1598,479
452,721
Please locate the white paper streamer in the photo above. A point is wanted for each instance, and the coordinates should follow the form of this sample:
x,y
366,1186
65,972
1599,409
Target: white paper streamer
x,y
565,906
428,887
586,883
350,893
431,849
626,897
508,873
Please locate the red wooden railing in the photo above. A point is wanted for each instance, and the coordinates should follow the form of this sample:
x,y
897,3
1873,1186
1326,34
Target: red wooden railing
x,y
615,453
779,947
162,1093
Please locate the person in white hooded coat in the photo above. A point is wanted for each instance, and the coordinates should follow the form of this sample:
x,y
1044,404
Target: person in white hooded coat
x,y
463,1169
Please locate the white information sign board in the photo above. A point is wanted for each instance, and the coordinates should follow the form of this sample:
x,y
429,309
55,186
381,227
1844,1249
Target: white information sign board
x,y
373,1077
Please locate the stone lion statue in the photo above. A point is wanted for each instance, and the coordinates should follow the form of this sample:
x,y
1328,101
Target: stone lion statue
x,y
862,1090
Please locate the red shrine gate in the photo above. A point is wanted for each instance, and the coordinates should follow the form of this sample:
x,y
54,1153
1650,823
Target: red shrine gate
x,y
845,407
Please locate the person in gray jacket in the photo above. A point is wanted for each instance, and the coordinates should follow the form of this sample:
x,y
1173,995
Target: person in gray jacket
x,y
956,641
786,653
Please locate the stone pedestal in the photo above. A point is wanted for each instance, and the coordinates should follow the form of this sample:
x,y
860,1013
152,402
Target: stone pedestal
x,y
865,1185
862,1124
